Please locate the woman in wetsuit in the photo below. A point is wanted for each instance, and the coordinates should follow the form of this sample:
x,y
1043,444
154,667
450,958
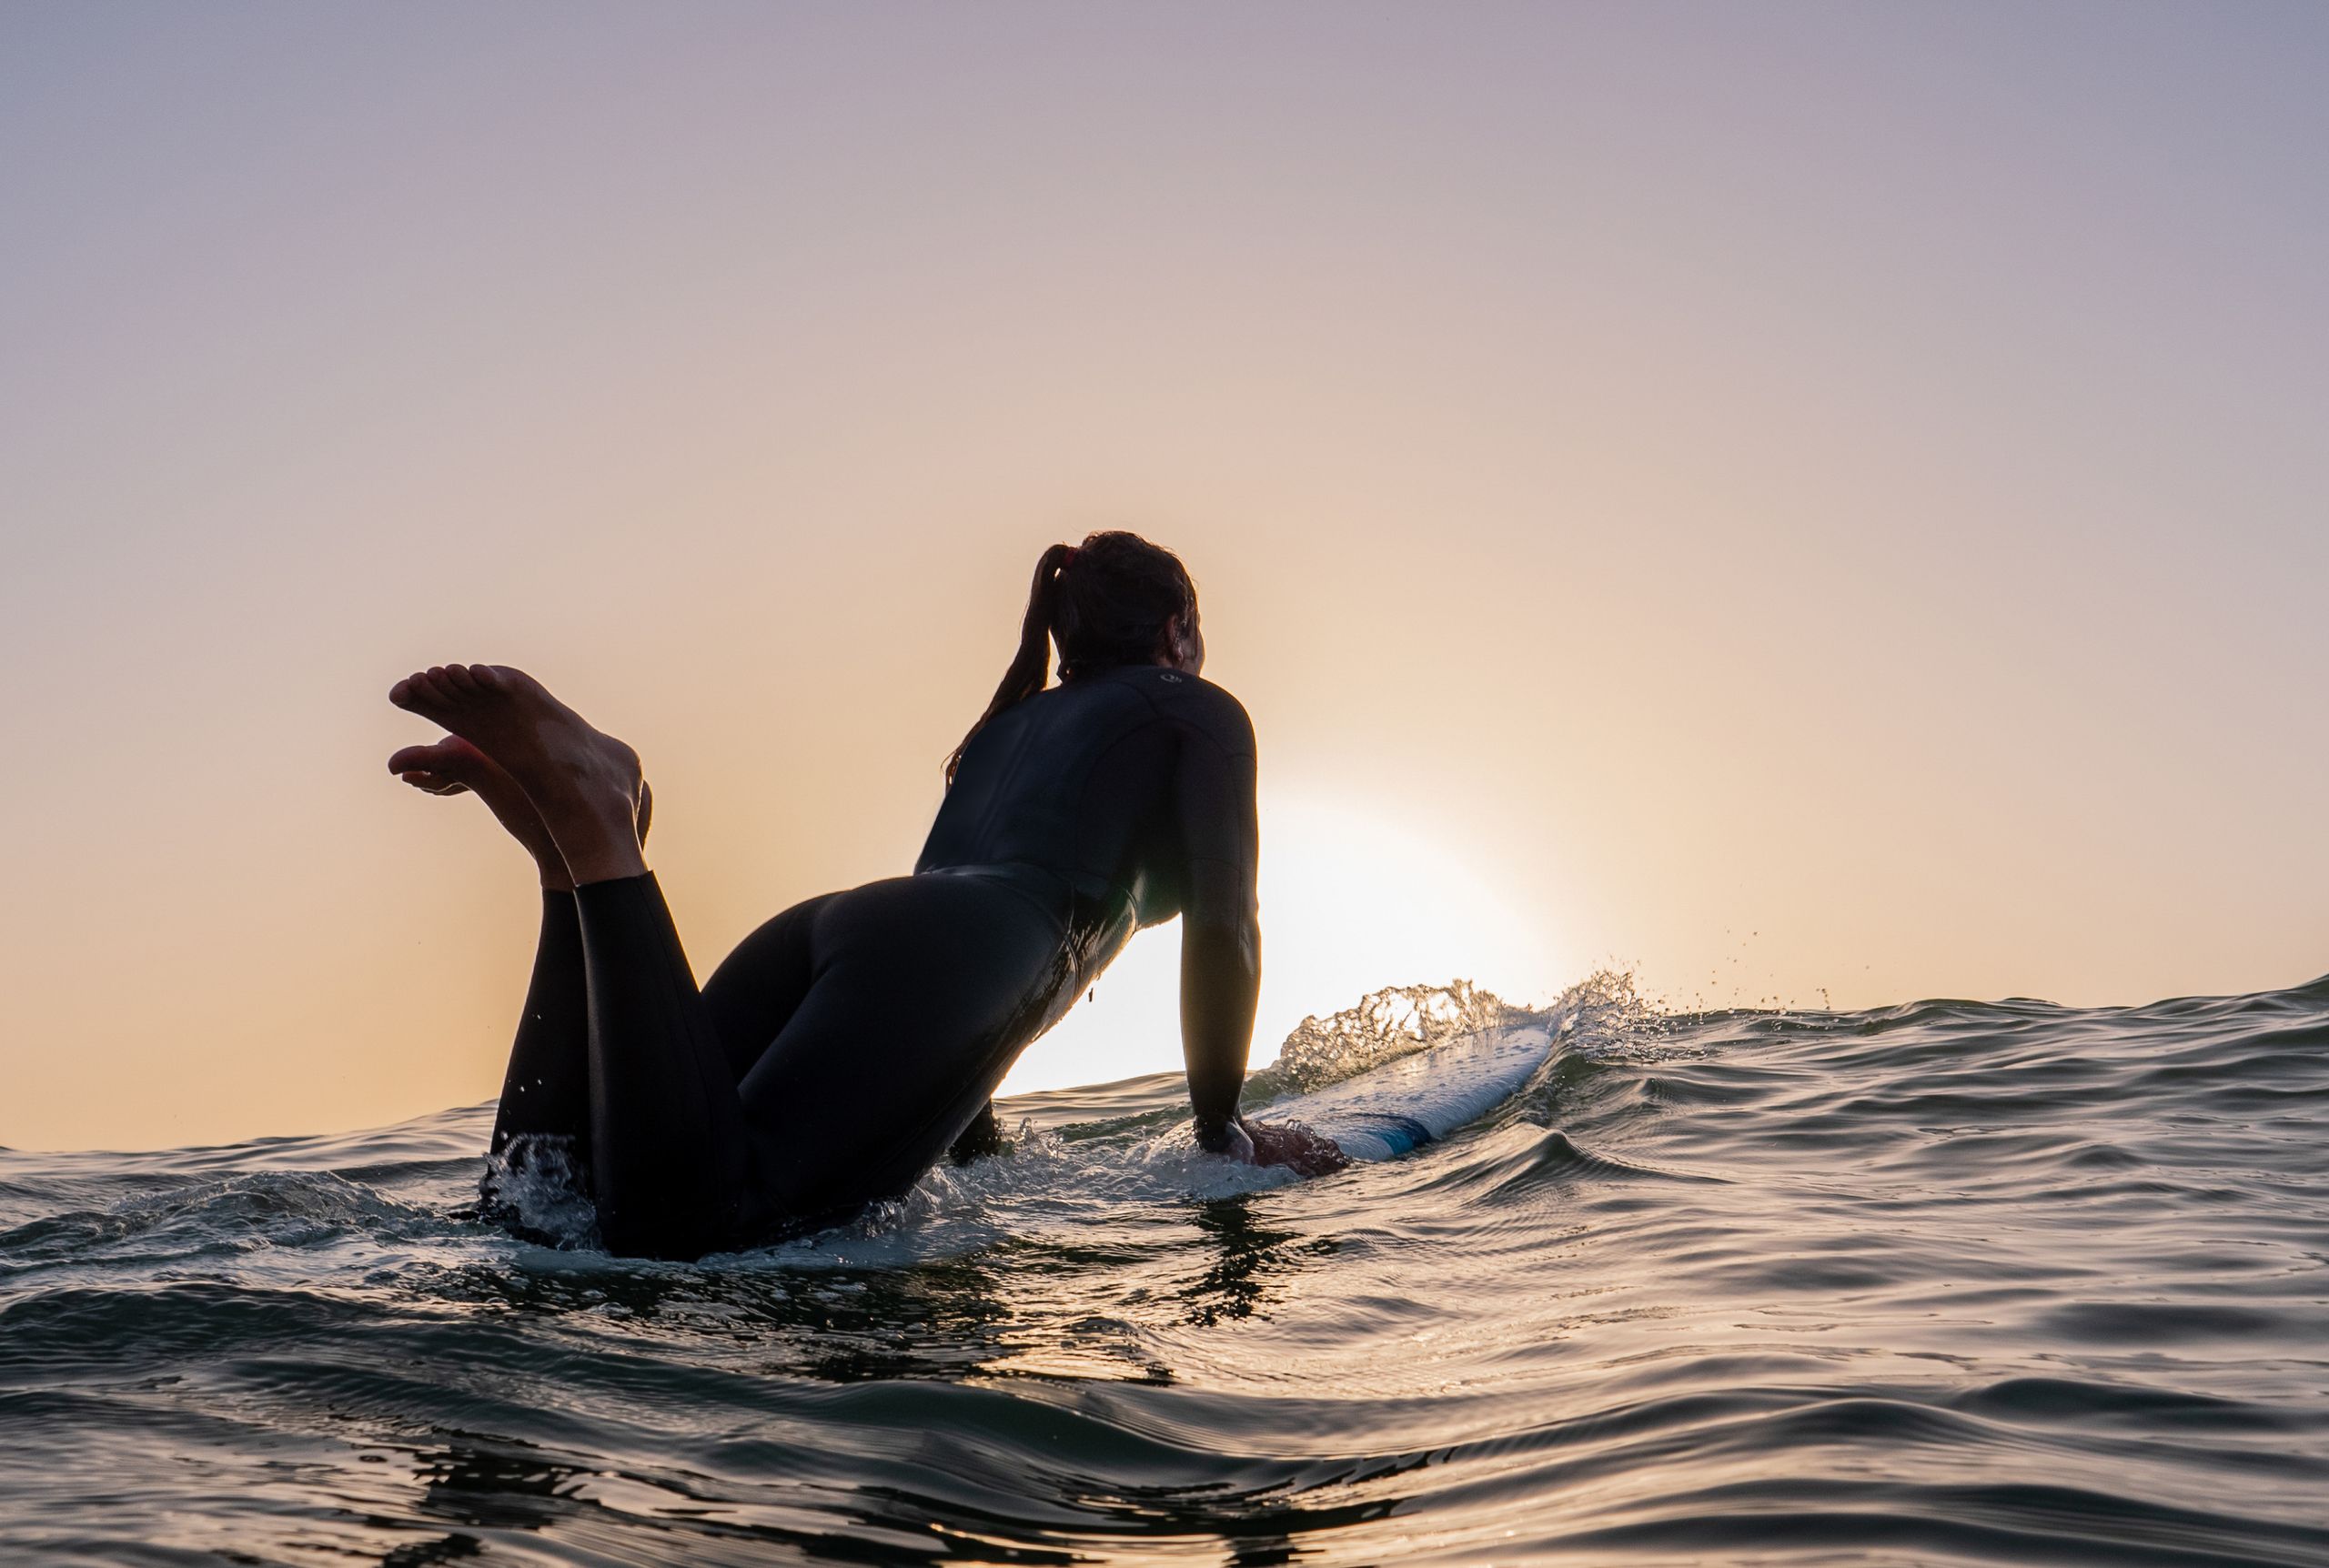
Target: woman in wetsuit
x,y
852,1039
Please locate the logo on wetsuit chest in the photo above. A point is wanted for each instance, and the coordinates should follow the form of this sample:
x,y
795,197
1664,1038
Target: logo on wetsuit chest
x,y
1168,675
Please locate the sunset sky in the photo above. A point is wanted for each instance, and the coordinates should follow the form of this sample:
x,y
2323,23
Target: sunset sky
x,y
1798,501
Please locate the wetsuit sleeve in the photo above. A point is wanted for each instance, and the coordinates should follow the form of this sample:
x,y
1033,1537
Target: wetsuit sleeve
x,y
1220,938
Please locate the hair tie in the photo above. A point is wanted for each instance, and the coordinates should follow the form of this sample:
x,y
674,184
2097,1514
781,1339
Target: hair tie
x,y
1068,559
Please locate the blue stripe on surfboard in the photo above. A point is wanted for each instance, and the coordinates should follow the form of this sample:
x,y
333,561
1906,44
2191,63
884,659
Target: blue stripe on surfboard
x,y
1413,1100
1404,1135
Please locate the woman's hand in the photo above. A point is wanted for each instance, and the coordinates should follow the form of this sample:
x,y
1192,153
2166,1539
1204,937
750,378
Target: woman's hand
x,y
1290,1144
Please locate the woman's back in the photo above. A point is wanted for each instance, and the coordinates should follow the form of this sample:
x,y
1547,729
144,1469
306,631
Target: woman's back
x,y
1132,786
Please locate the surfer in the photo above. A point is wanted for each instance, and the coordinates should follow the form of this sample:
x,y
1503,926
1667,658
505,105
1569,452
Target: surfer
x,y
849,1041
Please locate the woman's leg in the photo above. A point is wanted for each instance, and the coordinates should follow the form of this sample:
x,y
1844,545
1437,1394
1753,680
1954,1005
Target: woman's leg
x,y
543,1121
668,1160
547,1104
546,1091
672,1156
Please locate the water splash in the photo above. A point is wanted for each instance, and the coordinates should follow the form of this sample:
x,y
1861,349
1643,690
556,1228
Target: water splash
x,y
534,1189
1607,1016
1382,1026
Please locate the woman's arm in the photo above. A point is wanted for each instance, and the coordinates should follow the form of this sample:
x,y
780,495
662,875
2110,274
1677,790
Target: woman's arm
x,y
1221,976
1221,945
1221,932
1221,979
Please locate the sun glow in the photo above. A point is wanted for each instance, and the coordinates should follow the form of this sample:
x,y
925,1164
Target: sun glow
x,y
1350,903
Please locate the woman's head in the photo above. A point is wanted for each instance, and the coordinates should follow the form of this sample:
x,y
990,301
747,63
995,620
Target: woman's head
x,y
1117,601
1112,600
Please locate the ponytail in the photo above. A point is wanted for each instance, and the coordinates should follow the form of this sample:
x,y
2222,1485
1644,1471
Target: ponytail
x,y
1031,666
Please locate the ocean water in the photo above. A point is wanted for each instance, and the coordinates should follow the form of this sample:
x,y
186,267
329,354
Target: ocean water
x,y
1936,1283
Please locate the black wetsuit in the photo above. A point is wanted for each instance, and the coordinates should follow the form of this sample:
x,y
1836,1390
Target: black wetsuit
x,y
847,1044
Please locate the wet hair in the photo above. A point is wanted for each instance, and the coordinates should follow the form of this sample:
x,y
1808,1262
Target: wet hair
x,y
1105,602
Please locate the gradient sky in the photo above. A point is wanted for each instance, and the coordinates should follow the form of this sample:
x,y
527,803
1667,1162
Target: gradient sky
x,y
1802,501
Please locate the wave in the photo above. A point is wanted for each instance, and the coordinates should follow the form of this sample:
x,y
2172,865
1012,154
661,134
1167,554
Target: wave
x,y
1949,1282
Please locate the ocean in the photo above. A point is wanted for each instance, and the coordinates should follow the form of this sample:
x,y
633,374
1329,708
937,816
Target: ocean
x,y
1936,1283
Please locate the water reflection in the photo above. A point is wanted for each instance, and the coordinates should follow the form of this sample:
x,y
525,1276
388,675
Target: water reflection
x,y
1253,1260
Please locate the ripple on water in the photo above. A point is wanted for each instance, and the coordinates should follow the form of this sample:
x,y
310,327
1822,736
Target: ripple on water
x,y
1948,1282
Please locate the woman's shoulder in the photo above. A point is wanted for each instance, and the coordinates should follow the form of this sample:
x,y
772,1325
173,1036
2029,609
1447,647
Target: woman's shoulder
x,y
1197,702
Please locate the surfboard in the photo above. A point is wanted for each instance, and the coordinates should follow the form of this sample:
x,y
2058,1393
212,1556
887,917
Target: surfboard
x,y
1404,1104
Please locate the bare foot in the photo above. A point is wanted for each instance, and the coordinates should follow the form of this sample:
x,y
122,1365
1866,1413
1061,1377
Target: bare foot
x,y
454,767
585,785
